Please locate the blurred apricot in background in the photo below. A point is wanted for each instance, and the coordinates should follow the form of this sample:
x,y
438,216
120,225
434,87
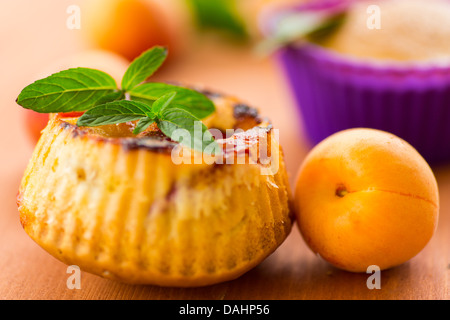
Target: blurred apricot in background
x,y
127,27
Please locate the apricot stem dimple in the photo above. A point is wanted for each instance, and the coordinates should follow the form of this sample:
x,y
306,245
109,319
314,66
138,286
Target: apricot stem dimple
x,y
341,190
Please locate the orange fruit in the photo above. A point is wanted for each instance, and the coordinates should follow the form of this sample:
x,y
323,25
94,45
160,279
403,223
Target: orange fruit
x,y
127,27
109,62
366,197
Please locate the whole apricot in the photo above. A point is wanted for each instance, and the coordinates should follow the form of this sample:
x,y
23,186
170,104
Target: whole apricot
x,y
366,197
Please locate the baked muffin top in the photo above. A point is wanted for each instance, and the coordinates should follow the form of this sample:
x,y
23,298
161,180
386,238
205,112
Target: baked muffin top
x,y
231,113
411,30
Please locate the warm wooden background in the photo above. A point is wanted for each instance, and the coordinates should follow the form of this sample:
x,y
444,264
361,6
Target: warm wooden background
x,y
34,33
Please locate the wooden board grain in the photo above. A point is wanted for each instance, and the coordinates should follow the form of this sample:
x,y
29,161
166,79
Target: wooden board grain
x,y
33,34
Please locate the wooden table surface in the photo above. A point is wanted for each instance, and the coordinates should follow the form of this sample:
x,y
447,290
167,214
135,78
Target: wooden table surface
x,y
34,33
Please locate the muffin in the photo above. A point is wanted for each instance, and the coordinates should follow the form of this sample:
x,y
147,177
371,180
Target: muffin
x,y
118,206
395,79
410,31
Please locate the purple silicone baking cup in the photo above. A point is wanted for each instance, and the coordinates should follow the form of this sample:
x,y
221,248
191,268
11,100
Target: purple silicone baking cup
x,y
334,93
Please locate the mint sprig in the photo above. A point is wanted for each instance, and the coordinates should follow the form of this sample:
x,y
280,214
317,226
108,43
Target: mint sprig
x,y
168,117
95,92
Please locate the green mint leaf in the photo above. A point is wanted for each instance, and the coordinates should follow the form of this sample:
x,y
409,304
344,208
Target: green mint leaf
x,y
115,112
76,89
143,67
110,97
163,102
194,134
190,100
142,125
